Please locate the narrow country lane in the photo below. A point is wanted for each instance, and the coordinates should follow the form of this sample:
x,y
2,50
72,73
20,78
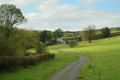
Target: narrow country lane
x,y
71,71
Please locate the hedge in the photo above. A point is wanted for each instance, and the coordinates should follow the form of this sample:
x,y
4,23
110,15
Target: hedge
x,y
14,62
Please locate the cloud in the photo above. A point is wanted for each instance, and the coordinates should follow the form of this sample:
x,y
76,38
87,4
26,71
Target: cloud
x,y
25,3
91,2
51,15
70,17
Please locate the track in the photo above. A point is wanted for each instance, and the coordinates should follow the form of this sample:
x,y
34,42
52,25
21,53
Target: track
x,y
71,71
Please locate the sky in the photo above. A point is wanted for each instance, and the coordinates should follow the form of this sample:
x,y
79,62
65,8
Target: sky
x,y
69,15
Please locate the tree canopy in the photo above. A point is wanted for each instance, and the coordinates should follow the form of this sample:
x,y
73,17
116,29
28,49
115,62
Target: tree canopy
x,y
10,17
90,32
105,32
58,33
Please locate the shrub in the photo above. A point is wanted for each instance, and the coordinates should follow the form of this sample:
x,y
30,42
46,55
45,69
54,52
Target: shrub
x,y
27,38
51,42
72,43
41,48
105,32
45,36
14,62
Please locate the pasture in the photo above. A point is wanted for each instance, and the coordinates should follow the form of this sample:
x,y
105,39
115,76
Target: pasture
x,y
104,58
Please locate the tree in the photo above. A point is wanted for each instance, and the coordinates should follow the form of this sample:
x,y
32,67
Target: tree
x,y
41,48
90,33
10,17
28,39
58,33
7,48
105,32
45,36
72,43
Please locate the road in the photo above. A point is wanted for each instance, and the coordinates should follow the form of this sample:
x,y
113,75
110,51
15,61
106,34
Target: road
x,y
71,71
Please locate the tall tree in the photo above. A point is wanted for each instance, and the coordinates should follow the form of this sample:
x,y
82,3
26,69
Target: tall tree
x,y
105,32
90,33
58,33
27,38
10,17
45,36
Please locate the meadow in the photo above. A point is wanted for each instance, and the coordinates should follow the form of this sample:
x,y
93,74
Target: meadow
x,y
104,58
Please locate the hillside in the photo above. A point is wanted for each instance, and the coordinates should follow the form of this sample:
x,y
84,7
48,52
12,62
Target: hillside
x,y
104,57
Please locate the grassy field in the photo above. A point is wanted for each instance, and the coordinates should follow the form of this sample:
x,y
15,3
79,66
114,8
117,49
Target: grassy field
x,y
40,71
104,57
56,46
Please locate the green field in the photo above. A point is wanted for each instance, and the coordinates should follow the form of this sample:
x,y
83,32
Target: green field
x,y
104,57
40,71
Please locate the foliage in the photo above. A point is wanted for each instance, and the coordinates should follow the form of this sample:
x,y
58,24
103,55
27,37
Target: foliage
x,y
7,47
105,32
29,39
43,70
45,36
8,62
51,42
41,48
10,17
72,43
58,33
90,33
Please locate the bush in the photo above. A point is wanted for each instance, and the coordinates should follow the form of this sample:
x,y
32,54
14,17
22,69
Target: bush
x,y
72,43
105,32
14,62
28,39
51,42
41,48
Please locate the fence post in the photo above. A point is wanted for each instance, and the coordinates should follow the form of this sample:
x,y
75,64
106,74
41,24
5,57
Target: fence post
x,y
99,76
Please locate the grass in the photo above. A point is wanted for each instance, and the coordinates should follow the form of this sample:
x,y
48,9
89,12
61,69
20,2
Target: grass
x,y
33,50
104,57
56,46
40,71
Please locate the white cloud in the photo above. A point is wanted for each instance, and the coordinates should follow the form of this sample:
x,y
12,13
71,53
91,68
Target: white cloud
x,y
90,2
51,15
71,17
24,3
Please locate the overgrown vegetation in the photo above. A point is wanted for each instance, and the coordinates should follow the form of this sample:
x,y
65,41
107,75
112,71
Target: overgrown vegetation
x,y
105,32
15,42
43,70
72,43
16,62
